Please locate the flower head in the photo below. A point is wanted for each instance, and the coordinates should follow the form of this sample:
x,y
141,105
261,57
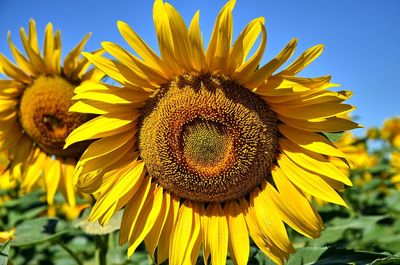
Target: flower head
x,y
395,164
6,236
391,131
34,111
207,147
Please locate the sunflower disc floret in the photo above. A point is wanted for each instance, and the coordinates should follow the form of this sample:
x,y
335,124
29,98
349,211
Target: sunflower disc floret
x,y
44,116
206,138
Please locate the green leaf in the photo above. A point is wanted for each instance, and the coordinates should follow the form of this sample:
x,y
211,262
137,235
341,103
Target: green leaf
x,y
18,216
393,202
25,201
333,136
94,228
387,261
332,256
4,250
336,228
261,259
382,167
39,230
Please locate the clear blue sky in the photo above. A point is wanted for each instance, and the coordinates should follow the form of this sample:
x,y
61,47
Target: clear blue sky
x,y
361,37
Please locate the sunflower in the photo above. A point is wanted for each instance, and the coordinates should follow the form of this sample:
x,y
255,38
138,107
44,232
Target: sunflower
x,y
207,148
34,117
356,150
6,236
391,131
395,164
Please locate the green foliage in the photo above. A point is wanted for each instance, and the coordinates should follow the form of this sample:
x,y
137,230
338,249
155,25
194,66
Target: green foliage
x,y
36,231
4,251
333,136
333,256
94,228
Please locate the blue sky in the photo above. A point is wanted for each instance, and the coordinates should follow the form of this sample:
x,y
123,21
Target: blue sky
x,y
361,37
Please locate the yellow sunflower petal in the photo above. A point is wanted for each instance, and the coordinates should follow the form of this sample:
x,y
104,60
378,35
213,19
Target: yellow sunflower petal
x,y
34,170
12,85
142,49
56,58
332,124
318,98
220,41
216,228
279,90
239,245
128,182
151,210
143,71
20,58
191,258
132,211
198,56
48,47
153,237
85,177
184,235
9,142
303,60
32,51
262,74
113,95
165,37
66,187
20,154
244,73
32,37
243,44
72,57
102,126
300,214
83,64
313,161
117,205
106,145
309,181
310,141
11,70
94,107
52,175
8,121
166,234
180,37
112,69
323,110
269,221
259,237
6,105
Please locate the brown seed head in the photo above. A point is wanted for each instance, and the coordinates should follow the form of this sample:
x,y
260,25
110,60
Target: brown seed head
x,y
44,116
208,139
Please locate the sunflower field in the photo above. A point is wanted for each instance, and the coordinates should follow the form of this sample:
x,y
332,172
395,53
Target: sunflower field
x,y
196,154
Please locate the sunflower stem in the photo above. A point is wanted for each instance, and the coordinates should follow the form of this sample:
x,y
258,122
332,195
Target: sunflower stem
x,y
70,252
101,249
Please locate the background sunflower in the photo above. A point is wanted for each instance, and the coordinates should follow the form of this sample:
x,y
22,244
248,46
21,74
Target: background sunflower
x,y
34,116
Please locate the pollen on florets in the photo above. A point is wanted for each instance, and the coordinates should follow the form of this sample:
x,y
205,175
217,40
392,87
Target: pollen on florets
x,y
206,138
44,116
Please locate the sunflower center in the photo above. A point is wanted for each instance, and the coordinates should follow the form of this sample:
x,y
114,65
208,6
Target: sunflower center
x,y
44,115
206,138
205,145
